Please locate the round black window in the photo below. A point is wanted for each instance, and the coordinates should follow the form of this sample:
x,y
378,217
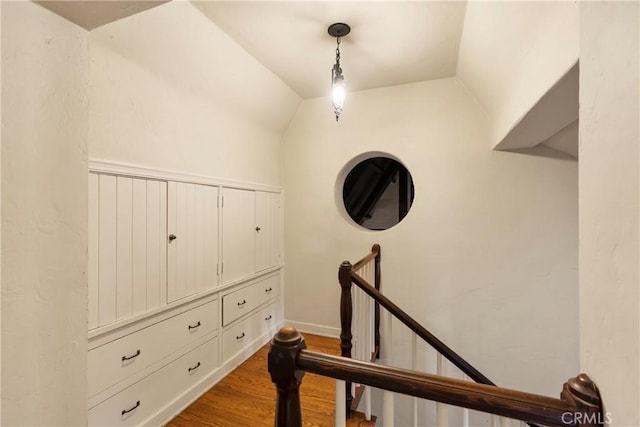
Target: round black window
x,y
378,193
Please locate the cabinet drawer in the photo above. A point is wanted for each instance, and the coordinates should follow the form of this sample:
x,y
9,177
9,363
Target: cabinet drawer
x,y
238,303
136,404
119,359
239,336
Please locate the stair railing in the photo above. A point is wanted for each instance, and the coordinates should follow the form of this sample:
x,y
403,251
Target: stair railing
x,y
360,341
355,305
580,403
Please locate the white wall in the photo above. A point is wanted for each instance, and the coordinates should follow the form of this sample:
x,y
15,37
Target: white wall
x,y
512,53
487,256
610,205
170,90
0,230
44,217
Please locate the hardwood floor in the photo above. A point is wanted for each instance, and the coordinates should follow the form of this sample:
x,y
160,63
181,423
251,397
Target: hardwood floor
x,y
246,397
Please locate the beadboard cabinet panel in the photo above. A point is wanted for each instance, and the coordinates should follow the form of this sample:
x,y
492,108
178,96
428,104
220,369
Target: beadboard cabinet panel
x,y
156,249
107,256
193,241
238,234
267,230
127,261
124,245
93,243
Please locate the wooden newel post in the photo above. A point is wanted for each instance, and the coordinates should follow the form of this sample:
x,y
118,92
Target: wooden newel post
x,y
283,353
583,395
346,314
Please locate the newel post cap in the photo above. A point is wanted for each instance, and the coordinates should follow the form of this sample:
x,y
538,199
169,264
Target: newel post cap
x,y
287,336
282,358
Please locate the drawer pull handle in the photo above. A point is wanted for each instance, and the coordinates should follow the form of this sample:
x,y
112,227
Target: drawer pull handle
x,y
240,304
239,337
172,237
268,318
268,290
125,358
126,411
195,367
195,326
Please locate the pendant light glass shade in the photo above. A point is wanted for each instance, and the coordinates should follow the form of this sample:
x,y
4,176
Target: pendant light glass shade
x,y
337,92
338,30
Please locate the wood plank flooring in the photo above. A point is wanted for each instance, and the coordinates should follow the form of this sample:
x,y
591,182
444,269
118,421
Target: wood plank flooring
x,y
246,397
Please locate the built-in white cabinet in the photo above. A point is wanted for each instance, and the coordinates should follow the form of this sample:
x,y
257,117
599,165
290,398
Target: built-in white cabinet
x,y
192,239
127,247
250,233
238,234
268,230
184,284
135,372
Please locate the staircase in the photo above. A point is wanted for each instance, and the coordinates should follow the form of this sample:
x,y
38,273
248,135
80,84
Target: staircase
x,y
580,403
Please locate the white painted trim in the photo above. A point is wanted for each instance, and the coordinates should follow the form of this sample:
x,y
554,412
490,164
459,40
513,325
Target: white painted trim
x,y
311,328
119,168
98,336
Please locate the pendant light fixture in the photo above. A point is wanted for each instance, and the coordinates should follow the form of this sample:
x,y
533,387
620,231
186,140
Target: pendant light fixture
x,y
337,30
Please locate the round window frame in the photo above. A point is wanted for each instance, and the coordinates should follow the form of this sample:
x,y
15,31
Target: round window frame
x,y
342,176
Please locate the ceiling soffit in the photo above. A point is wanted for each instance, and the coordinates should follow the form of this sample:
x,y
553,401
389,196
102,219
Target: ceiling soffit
x,y
92,14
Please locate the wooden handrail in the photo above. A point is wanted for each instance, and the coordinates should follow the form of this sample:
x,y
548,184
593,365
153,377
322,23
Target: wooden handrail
x,y
420,331
580,403
375,252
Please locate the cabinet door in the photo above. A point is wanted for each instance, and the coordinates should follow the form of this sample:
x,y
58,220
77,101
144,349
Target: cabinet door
x,y
127,250
192,239
267,230
238,234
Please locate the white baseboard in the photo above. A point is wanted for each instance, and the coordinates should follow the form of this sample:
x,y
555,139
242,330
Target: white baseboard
x,y
312,328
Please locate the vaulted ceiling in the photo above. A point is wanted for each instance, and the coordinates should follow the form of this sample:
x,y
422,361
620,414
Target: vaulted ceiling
x,y
390,43
497,49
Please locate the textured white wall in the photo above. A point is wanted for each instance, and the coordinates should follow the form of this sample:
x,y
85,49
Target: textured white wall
x,y
0,229
610,204
170,90
487,256
44,218
512,53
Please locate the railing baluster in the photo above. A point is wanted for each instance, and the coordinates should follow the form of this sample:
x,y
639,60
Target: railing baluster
x,y
341,401
414,367
465,411
465,417
367,403
367,322
387,396
387,409
442,411
377,280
